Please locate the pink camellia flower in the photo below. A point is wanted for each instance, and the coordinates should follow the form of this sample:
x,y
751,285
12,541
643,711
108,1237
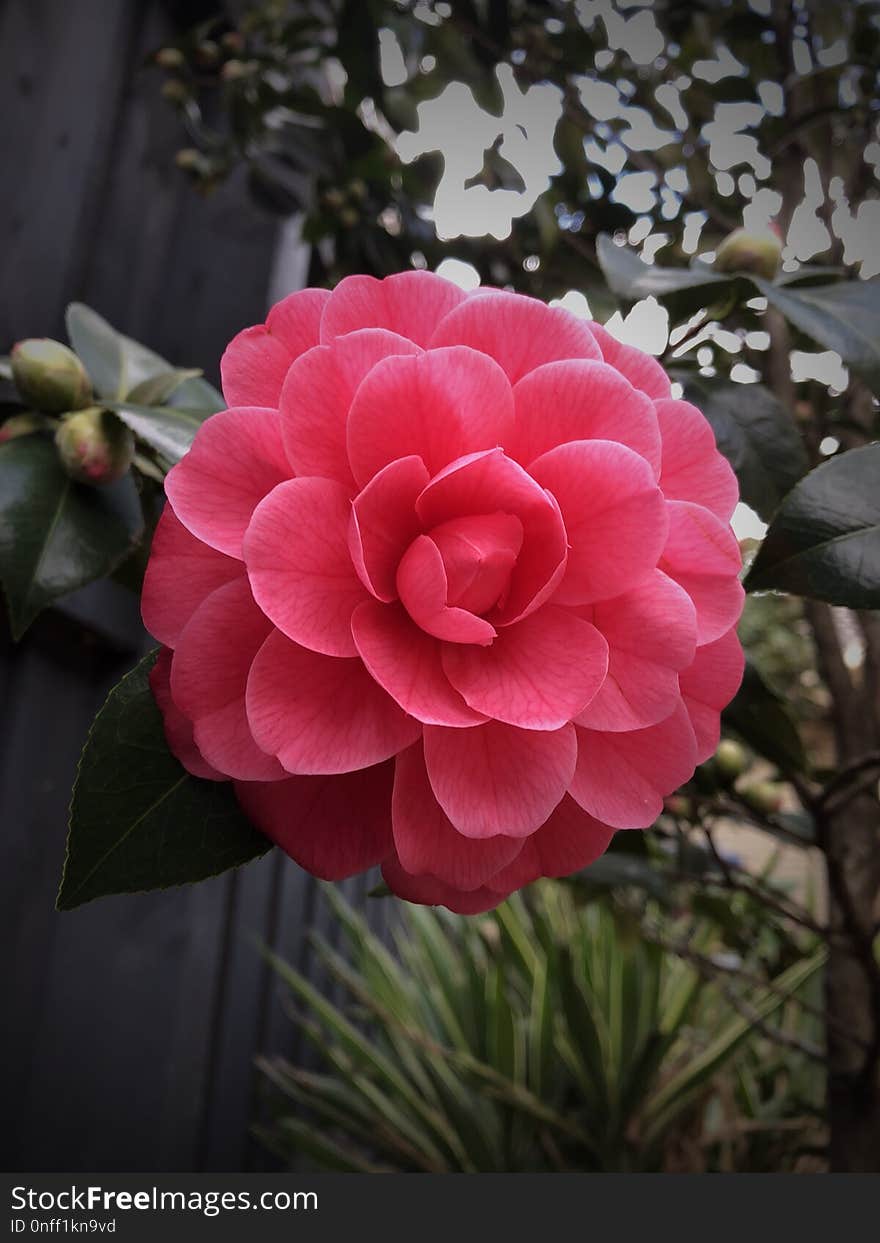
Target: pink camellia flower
x,y
450,587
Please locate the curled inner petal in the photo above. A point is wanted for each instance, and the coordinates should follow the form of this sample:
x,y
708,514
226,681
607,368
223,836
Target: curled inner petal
x,y
479,551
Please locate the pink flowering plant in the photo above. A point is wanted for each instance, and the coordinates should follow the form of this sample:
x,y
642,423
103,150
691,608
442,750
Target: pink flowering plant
x,y
450,588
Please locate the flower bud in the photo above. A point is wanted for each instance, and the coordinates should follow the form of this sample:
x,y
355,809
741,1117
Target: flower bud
x,y
745,251
20,425
188,158
94,446
208,52
232,41
679,805
170,58
175,91
764,796
234,70
731,759
49,376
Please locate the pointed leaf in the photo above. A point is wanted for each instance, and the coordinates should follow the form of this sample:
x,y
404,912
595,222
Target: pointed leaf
x,y
631,278
158,388
844,317
115,363
57,535
168,430
825,539
138,820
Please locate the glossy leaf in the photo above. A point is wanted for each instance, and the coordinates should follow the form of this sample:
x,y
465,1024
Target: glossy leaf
x,y
762,718
115,363
755,433
168,430
825,540
57,535
138,819
630,278
158,388
844,317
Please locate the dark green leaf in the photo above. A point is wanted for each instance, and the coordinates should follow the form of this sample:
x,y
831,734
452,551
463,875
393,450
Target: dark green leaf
x,y
825,540
755,433
843,317
168,430
761,717
631,278
139,820
158,388
57,535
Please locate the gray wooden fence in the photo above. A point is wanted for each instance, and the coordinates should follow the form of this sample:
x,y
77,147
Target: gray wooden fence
x,y
129,1025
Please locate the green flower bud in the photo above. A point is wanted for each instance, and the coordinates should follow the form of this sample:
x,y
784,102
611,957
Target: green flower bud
x,y
208,52
49,376
679,805
348,217
175,91
94,446
731,758
188,158
234,70
764,796
170,58
743,251
20,425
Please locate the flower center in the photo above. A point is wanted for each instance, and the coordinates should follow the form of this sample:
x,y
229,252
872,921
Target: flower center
x,y
479,551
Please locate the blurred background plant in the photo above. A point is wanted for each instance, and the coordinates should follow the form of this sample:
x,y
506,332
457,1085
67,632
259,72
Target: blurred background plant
x,y
562,1032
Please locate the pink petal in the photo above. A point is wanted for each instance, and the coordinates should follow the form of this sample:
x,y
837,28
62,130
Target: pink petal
x,y
423,590
256,360
568,842
538,674
178,728
236,459
208,678
613,512
406,662
409,303
693,469
581,399
425,839
296,551
384,523
428,891
436,406
317,396
181,572
296,319
702,554
642,371
496,778
322,714
708,685
332,826
651,633
520,333
488,483
622,779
